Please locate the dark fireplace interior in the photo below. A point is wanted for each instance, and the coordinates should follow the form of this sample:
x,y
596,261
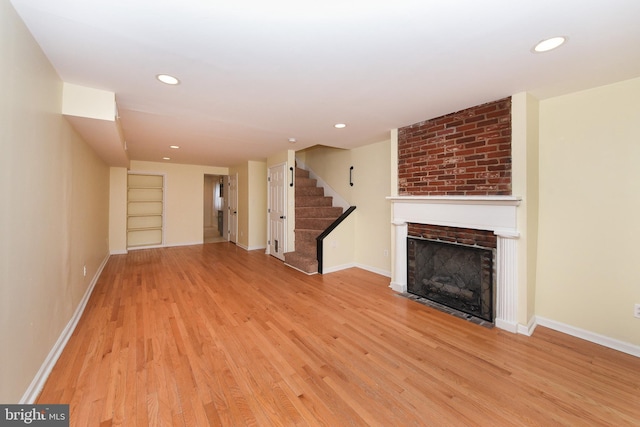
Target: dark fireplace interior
x,y
452,274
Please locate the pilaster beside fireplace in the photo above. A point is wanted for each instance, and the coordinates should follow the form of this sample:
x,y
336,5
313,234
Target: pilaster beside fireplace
x,y
493,213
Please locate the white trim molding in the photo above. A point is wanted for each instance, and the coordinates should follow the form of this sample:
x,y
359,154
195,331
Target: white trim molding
x,y
492,213
593,337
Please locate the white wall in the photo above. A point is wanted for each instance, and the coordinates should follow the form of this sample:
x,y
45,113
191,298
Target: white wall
x,y
588,275
54,193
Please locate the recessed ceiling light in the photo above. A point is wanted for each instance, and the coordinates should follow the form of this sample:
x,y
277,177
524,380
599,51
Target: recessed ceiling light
x,y
339,126
549,44
166,158
167,79
174,146
292,140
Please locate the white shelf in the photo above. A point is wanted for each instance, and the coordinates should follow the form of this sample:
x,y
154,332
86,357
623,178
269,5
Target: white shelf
x,y
145,206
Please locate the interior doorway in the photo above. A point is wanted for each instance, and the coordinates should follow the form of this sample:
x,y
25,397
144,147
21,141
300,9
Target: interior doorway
x,y
213,220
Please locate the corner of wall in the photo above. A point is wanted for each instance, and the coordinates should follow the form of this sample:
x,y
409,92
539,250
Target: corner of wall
x,y
524,147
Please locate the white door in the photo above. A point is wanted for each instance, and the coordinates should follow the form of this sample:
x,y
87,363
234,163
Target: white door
x,y
277,210
233,208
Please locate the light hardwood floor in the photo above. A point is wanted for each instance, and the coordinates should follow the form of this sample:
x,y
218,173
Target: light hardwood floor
x,y
214,335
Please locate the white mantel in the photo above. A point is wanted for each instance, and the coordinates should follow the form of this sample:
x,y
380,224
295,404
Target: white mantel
x,y
493,213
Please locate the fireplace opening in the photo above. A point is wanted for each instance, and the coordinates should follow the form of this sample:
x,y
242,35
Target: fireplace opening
x,y
452,274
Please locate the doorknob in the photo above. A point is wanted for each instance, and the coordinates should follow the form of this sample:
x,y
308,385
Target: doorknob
x,y
281,216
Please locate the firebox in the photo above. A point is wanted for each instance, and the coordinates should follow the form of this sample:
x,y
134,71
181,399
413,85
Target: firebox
x,y
452,274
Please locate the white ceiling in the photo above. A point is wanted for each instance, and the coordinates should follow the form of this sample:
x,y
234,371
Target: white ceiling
x,y
255,73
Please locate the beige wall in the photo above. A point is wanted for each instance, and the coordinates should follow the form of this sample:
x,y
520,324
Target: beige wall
x,y
332,165
525,166
54,193
372,184
184,202
242,215
371,172
252,204
588,274
118,210
257,201
210,217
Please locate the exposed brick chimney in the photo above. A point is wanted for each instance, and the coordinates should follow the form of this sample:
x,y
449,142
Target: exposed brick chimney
x,y
461,154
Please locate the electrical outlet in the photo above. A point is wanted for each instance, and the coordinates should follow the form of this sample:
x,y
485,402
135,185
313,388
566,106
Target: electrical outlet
x,y
385,253
636,311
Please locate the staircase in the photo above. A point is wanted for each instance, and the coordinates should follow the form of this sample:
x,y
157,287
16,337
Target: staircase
x,y
314,213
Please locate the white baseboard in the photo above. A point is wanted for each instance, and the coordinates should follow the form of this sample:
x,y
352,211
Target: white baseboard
x,y
301,271
398,287
199,242
119,252
34,389
327,270
593,337
375,270
351,265
529,328
250,248
172,245
506,326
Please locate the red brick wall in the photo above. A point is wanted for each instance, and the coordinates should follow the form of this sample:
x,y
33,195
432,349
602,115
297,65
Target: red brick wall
x,y
462,153
466,236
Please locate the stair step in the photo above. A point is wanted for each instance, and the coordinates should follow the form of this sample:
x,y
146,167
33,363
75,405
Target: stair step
x,y
314,223
314,213
302,173
306,238
318,212
305,182
313,201
309,191
304,263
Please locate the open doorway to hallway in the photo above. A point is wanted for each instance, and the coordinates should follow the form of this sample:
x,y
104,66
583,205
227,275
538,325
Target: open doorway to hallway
x,y
213,209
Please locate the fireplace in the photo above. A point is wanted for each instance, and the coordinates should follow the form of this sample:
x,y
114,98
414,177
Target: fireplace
x,y
495,215
452,274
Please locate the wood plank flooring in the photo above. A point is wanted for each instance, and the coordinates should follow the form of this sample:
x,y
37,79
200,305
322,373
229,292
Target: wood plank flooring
x,y
214,335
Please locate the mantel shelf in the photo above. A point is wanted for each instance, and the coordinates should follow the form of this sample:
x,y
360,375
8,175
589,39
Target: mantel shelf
x,y
459,200
495,213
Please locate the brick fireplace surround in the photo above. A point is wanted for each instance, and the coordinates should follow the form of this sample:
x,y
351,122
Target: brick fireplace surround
x,y
455,171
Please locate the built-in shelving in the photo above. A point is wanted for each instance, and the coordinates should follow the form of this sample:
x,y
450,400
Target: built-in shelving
x,y
145,209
